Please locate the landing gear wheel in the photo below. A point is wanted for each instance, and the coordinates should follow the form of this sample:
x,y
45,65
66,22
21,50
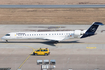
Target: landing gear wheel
x,y
56,42
6,41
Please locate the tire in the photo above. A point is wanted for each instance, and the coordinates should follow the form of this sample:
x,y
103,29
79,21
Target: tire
x,y
56,42
36,54
6,41
45,54
33,53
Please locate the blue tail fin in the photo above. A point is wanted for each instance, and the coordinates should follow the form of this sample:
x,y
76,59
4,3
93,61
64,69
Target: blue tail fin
x,y
91,31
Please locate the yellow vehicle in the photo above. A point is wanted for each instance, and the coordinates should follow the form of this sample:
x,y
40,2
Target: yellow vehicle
x,y
42,51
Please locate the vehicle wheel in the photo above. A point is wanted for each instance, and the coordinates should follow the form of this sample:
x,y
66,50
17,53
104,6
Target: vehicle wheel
x,y
46,54
35,53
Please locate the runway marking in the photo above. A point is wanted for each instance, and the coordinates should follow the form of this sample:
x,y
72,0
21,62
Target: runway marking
x,y
91,47
31,48
57,28
27,57
24,61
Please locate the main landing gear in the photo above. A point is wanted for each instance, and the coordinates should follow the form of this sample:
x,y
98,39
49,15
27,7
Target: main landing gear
x,y
6,41
56,42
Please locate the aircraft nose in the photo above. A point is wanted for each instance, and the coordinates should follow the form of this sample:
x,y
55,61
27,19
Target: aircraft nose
x,y
3,38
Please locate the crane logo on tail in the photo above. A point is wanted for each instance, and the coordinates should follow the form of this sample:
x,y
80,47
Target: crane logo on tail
x,y
93,29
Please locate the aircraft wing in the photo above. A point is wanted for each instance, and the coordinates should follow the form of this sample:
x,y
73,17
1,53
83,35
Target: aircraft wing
x,y
54,38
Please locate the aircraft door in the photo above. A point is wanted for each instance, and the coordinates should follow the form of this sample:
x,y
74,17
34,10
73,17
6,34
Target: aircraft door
x,y
13,36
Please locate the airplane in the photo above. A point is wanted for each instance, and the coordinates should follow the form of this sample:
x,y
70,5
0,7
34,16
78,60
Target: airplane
x,y
56,36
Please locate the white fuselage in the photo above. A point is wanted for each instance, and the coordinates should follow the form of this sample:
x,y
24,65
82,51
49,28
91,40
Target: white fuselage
x,y
55,35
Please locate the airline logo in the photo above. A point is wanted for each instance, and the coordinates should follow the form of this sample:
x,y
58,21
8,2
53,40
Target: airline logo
x,y
93,29
20,34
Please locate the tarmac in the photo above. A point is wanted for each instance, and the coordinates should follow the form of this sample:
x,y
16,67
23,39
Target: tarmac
x,y
73,54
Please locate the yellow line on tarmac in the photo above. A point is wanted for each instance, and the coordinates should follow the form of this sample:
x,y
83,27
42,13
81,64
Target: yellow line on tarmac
x,y
57,28
31,48
91,47
27,57
24,61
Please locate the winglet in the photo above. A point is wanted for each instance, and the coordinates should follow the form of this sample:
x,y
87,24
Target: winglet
x,y
92,29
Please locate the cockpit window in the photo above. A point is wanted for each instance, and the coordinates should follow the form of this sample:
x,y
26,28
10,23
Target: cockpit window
x,y
7,35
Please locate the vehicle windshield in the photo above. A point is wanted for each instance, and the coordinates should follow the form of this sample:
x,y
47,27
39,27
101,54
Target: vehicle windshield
x,y
37,50
7,35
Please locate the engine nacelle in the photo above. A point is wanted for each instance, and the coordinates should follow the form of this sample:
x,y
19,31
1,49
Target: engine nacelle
x,y
78,33
83,32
